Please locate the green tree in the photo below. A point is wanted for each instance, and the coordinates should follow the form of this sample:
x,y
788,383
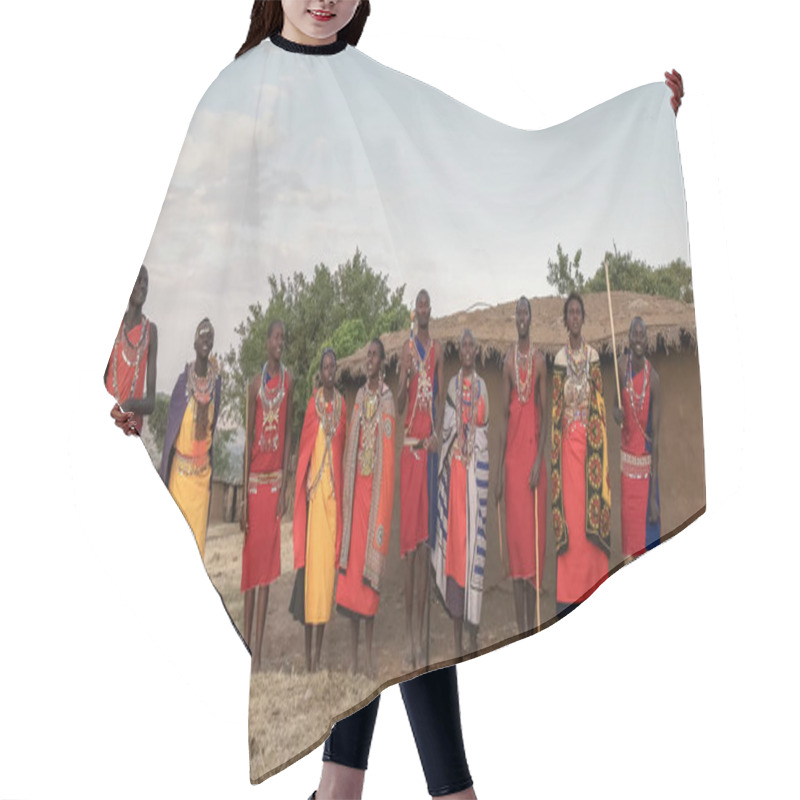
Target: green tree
x,y
157,422
222,458
626,273
343,308
564,274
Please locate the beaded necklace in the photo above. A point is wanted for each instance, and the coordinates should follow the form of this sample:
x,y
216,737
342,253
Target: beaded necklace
x,y
131,354
578,361
369,430
635,399
329,415
523,386
201,388
423,400
466,398
271,401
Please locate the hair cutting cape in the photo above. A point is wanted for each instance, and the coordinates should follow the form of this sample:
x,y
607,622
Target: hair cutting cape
x,y
298,157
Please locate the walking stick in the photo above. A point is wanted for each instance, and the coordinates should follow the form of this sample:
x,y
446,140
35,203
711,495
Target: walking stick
x,y
536,545
500,534
246,454
613,337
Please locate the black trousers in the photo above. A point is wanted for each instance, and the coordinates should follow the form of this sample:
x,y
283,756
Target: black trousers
x,y
432,706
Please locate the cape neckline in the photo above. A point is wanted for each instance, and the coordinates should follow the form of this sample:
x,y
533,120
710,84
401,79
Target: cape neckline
x,y
307,49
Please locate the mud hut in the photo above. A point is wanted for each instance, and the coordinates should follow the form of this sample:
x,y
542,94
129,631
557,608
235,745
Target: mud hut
x,y
672,349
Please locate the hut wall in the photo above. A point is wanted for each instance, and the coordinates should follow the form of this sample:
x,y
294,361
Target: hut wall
x,y
681,463
225,502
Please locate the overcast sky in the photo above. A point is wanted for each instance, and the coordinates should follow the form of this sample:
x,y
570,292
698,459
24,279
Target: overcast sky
x,y
294,160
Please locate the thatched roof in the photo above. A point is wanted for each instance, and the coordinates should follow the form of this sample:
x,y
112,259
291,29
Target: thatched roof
x,y
670,325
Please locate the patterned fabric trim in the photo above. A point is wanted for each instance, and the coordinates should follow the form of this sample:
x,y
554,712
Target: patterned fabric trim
x,y
266,478
598,491
378,528
191,465
635,466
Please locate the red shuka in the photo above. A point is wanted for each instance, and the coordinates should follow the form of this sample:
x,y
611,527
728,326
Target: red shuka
x,y
261,556
521,448
635,491
414,462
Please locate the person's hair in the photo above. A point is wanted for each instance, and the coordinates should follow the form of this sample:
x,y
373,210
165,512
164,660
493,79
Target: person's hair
x,y
421,293
381,351
527,302
633,322
467,332
328,351
266,19
271,327
204,321
574,296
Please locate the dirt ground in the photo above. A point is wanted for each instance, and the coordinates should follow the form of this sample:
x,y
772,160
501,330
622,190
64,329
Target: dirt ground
x,y
288,713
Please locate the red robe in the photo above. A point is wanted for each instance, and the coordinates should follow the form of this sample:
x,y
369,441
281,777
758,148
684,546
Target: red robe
x,y
261,557
128,374
635,478
521,448
414,462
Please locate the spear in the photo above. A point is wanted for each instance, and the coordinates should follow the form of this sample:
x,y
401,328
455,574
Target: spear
x,y
536,545
500,533
613,337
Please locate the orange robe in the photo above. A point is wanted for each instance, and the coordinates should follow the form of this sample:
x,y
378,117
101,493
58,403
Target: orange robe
x,y
368,500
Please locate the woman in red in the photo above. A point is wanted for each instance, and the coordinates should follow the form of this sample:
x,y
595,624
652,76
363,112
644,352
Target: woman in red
x,y
580,488
459,554
267,447
639,417
367,504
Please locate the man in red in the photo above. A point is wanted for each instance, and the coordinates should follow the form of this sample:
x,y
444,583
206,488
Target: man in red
x,y
522,442
421,376
131,371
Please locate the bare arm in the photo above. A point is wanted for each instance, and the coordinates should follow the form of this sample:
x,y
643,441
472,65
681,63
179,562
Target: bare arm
x,y
623,377
249,427
653,511
508,382
404,378
287,443
146,405
438,406
540,371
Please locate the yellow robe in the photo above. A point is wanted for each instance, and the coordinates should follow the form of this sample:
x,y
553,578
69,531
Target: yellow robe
x,y
190,474
320,538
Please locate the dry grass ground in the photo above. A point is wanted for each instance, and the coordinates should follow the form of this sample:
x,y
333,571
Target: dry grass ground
x,y
291,711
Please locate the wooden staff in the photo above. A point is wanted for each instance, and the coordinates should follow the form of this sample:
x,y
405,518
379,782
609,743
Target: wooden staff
x,y
536,545
246,453
500,534
613,337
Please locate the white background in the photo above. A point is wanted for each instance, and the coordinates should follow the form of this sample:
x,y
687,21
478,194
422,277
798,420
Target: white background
x,y
120,675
